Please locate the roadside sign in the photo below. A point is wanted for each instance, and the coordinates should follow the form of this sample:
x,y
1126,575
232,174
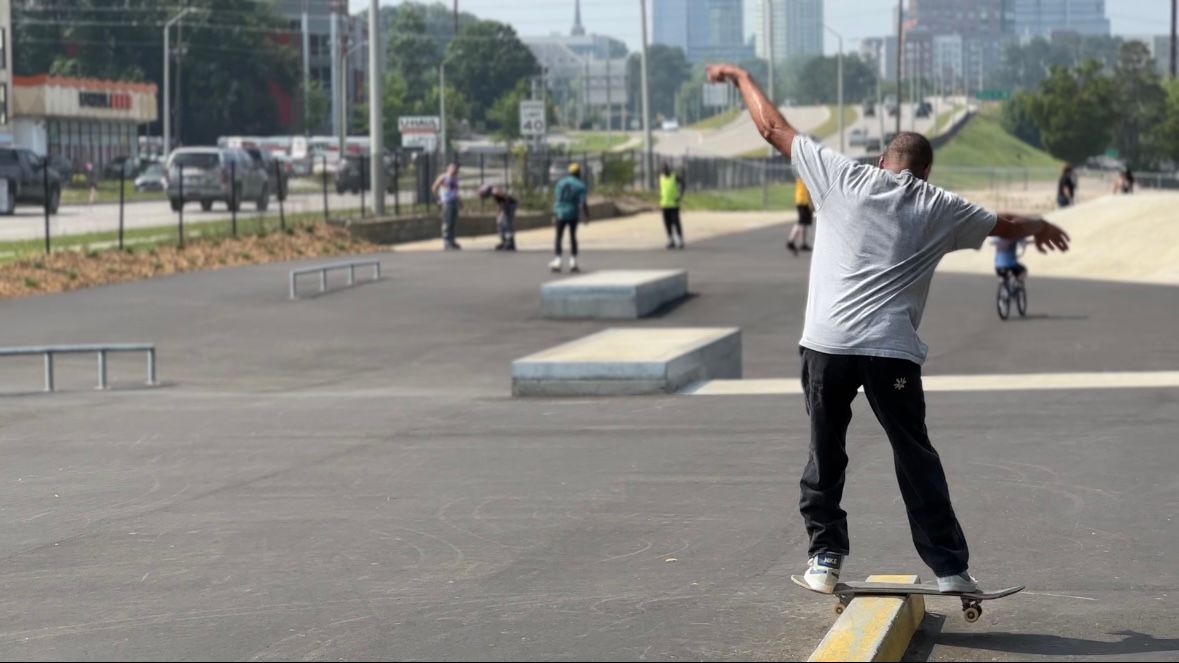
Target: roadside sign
x,y
532,120
993,95
417,124
424,142
716,95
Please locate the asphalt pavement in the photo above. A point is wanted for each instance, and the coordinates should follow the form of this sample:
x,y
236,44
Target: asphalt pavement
x,y
346,476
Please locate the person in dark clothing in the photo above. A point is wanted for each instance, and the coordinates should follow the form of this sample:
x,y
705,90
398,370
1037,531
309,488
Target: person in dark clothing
x,y
1066,188
505,219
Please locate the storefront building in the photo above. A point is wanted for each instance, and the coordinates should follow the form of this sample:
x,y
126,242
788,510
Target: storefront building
x,y
84,120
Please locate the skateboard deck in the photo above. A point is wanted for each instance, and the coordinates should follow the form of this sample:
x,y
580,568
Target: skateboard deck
x,y
971,601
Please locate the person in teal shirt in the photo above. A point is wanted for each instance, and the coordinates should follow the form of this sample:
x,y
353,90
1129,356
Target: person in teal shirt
x,y
569,205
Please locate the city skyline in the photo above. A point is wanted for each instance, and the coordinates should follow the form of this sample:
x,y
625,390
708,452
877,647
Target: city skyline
x,y
855,19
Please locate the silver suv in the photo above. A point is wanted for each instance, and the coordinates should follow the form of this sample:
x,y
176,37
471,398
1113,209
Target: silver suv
x,y
207,173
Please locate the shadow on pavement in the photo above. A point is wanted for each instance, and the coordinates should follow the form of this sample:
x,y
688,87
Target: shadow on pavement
x,y
1131,642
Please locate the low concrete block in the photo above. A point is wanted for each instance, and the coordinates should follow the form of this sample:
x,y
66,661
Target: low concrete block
x,y
874,628
617,294
625,362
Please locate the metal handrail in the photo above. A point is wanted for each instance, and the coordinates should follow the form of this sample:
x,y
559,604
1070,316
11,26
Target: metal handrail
x,y
101,349
350,265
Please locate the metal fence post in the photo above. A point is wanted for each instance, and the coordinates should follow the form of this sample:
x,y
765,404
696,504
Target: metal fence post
x,y
325,191
351,274
45,179
481,182
151,366
122,193
323,281
102,369
233,196
397,184
363,184
180,227
282,194
48,371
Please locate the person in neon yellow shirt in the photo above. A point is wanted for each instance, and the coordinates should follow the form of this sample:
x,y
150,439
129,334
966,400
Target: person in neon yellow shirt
x,y
671,192
806,217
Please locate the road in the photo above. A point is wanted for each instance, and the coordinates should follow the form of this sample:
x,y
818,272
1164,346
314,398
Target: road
x,y
29,222
346,477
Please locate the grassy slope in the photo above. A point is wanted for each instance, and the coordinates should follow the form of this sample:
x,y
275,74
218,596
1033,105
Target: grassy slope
x,y
717,121
981,148
592,141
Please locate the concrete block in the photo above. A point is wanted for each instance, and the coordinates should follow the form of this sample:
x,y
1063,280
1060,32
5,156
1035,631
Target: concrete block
x,y
625,362
622,294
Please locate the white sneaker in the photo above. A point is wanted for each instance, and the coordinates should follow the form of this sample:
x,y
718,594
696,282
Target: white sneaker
x,y
555,265
823,573
679,242
960,583
573,265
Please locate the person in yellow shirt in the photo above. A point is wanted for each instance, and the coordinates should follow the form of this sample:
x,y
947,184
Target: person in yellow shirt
x,y
671,192
806,218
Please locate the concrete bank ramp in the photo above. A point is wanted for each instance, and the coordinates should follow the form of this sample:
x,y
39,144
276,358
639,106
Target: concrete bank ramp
x,y
1114,238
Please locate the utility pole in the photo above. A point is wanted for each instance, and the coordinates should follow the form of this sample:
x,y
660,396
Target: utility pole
x,y
900,59
442,107
1174,23
376,134
456,18
609,100
646,97
340,72
306,72
768,26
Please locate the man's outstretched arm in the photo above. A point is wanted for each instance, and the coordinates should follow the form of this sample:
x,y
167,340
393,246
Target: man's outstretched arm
x,y
770,124
1018,226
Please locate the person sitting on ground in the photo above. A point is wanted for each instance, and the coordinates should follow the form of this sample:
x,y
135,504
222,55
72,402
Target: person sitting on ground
x,y
506,216
885,228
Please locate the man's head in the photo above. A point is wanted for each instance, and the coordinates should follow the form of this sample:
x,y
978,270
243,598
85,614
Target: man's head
x,y
575,170
452,168
666,168
908,151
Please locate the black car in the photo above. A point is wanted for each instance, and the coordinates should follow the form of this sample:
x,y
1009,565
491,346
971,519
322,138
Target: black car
x,y
869,109
29,180
353,173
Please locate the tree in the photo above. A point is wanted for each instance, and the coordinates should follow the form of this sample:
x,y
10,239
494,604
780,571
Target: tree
x,y
412,53
1166,135
817,82
1142,104
504,115
1074,109
486,61
667,70
1016,118
1023,66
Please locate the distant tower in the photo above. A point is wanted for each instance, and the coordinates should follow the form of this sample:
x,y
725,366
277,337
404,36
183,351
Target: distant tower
x,y
578,29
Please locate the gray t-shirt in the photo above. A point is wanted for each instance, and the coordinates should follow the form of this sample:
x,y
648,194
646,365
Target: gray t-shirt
x,y
878,239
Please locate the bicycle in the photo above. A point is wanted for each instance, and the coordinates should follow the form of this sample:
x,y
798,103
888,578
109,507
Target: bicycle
x,y
1011,288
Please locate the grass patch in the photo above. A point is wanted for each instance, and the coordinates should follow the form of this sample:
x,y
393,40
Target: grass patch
x,y
108,192
983,155
717,121
595,141
831,126
779,196
943,119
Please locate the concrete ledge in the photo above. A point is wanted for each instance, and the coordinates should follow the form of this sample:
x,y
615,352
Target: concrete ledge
x,y
627,362
617,294
874,628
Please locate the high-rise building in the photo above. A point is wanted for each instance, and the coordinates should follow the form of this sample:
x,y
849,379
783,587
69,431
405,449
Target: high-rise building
x,y
1043,17
327,30
961,17
704,29
797,27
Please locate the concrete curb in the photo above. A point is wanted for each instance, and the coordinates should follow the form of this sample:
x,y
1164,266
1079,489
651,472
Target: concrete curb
x,y
874,628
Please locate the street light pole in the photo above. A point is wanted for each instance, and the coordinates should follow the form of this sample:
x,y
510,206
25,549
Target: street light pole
x,y
646,96
376,135
168,82
839,86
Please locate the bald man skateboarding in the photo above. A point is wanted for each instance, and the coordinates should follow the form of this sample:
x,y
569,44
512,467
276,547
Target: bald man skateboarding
x,y
884,230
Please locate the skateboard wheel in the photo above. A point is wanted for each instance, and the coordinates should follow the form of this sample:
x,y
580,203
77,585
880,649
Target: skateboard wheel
x,y
839,608
972,613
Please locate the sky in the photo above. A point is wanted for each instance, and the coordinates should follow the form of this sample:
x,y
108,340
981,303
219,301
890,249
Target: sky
x,y
855,19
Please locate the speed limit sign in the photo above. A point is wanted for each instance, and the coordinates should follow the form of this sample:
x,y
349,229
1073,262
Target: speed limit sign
x,y
532,118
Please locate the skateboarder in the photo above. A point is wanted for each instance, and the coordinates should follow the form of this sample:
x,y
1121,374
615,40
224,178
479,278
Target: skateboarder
x,y
884,229
505,219
806,217
446,188
569,204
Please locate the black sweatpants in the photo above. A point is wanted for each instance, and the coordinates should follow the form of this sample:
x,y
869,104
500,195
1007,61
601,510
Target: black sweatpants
x,y
671,222
893,388
572,225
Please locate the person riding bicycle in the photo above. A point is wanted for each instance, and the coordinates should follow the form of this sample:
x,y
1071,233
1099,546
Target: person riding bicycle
x,y
1007,252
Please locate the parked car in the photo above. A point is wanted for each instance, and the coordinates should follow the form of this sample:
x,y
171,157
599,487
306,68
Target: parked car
x,y
63,166
265,160
923,109
207,172
349,174
872,145
153,178
28,181
858,136
671,124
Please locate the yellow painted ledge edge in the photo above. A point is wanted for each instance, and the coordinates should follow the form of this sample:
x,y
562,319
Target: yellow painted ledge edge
x,y
874,628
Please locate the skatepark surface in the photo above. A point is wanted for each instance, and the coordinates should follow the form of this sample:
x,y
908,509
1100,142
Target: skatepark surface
x,y
347,476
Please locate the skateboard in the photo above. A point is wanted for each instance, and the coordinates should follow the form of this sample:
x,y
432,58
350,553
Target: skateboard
x,y
971,601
